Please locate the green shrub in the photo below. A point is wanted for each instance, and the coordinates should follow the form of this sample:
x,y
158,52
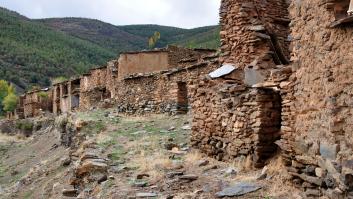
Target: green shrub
x,y
43,95
24,125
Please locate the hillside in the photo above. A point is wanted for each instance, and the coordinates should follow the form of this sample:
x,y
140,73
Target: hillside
x,y
34,51
123,157
132,37
31,53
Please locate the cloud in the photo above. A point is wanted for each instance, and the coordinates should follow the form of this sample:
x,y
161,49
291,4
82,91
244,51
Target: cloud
x,y
179,13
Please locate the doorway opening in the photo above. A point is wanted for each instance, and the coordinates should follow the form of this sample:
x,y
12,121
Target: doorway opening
x,y
182,98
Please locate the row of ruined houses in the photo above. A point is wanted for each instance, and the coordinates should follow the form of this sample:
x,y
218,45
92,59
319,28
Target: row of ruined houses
x,y
282,82
152,81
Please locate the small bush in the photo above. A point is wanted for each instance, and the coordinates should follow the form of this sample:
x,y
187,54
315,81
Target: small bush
x,y
58,80
24,125
43,95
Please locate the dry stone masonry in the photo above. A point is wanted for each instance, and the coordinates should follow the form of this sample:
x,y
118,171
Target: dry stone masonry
x,y
156,81
282,82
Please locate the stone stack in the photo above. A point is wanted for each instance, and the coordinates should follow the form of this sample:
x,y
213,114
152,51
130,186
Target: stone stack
x,y
90,170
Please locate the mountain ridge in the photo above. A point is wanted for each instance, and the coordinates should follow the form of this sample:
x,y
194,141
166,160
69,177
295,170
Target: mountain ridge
x,y
33,51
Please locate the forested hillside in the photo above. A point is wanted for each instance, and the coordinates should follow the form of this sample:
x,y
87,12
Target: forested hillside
x,y
32,52
132,37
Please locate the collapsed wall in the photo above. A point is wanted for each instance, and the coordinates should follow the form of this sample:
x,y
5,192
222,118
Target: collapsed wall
x,y
36,103
93,88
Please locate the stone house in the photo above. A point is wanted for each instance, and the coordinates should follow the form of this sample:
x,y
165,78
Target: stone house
x,y
237,113
93,88
289,87
37,102
146,81
66,96
165,88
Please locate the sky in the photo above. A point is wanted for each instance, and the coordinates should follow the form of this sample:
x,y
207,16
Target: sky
x,y
178,13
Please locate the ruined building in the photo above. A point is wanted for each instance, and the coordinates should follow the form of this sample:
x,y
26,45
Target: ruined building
x,y
285,83
236,113
156,81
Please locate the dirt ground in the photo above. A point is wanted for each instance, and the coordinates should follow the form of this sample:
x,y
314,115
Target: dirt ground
x,y
147,155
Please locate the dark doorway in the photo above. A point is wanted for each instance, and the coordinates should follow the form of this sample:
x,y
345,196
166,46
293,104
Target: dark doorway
x,y
182,98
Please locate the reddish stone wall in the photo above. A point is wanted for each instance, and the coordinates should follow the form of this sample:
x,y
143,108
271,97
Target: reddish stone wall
x,y
112,77
93,88
252,31
34,105
142,62
155,61
319,106
231,121
159,93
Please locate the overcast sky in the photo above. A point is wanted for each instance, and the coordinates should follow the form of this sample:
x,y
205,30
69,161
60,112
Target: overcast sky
x,y
179,13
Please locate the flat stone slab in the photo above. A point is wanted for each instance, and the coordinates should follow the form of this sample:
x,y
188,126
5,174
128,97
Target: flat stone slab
x,y
222,71
238,189
146,195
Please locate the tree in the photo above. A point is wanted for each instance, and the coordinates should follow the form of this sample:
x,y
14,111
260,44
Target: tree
x,y
10,102
152,41
8,98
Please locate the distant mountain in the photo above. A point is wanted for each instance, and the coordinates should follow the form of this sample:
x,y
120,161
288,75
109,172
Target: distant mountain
x,y
34,51
133,37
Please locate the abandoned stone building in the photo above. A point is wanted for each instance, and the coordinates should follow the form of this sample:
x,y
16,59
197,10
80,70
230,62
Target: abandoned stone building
x,y
164,88
156,81
285,83
66,96
35,103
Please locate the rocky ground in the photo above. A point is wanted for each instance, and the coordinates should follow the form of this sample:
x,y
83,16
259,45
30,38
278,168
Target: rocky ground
x,y
101,154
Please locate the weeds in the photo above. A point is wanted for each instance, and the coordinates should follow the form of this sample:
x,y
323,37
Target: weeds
x,y
24,125
28,195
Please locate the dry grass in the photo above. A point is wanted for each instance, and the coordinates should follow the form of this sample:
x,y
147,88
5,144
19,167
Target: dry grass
x,y
192,158
153,164
6,138
243,164
279,186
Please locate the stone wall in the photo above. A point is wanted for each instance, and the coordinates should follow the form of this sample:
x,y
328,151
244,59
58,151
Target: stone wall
x,y
317,143
66,96
232,121
142,62
36,103
93,88
165,59
239,113
112,77
161,92
254,32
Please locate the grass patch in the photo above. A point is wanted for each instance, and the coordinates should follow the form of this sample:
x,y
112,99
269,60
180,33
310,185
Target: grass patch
x,y
107,143
118,154
3,149
3,170
28,195
94,127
